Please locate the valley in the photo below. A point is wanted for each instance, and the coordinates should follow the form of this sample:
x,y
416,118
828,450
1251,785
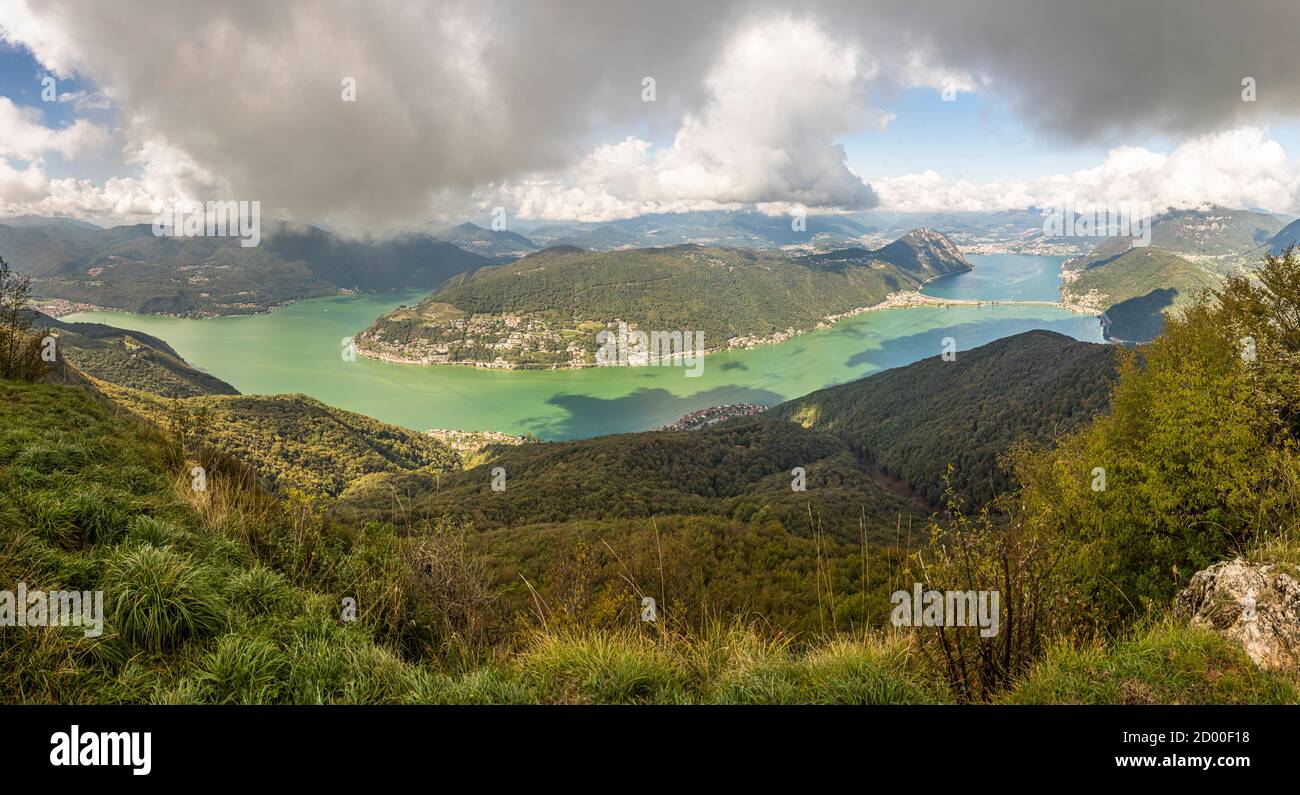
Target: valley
x,y
297,349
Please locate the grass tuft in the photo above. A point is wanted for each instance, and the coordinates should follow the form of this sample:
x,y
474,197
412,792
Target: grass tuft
x,y
160,598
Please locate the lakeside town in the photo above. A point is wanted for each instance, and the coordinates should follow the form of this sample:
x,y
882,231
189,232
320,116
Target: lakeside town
x,y
535,337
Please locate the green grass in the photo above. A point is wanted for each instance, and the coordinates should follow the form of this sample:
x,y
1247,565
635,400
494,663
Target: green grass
x,y
161,598
223,601
1168,663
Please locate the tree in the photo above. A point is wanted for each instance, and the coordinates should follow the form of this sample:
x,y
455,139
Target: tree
x,y
15,321
1197,458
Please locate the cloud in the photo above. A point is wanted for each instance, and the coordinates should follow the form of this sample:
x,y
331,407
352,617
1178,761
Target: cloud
x,y
19,187
166,175
539,103
778,96
1235,168
83,101
25,138
450,95
1084,70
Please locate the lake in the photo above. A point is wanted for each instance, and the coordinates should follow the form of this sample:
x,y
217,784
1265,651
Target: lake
x,y
298,349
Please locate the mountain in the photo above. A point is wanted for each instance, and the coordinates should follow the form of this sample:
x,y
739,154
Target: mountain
x,y
1142,319
1216,232
1136,273
130,358
875,452
1289,236
487,242
923,253
27,221
1001,231
719,228
599,237
739,470
130,268
1190,250
547,309
913,421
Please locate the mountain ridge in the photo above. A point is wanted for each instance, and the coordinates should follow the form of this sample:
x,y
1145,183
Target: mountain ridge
x,y
132,269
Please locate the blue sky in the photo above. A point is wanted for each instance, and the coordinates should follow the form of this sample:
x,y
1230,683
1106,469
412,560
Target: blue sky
x,y
975,137
20,81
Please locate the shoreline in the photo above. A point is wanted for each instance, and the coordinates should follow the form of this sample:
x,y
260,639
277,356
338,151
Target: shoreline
x,y
903,299
62,307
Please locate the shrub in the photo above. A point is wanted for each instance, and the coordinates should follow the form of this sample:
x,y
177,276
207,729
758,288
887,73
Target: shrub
x,y
160,598
259,591
242,670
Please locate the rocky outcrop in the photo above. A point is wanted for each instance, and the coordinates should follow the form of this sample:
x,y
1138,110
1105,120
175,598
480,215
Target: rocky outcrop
x,y
1255,604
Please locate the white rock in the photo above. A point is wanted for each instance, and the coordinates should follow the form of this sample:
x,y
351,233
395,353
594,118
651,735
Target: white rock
x,y
1255,604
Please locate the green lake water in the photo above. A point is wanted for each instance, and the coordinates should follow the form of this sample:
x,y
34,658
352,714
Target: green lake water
x,y
298,349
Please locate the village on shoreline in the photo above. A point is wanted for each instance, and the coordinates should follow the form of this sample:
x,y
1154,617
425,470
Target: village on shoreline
x,y
904,299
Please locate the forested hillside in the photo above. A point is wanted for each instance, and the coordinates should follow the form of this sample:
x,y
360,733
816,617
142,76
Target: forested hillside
x,y
1189,251
130,358
915,421
740,469
547,308
292,441
129,268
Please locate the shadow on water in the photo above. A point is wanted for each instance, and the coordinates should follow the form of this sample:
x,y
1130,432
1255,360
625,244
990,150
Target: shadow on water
x,y
587,416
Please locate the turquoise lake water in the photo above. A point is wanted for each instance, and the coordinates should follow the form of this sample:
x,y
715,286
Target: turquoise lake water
x,y
298,349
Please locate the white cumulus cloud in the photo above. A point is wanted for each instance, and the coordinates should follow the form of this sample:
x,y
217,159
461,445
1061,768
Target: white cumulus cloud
x,y
1243,167
780,94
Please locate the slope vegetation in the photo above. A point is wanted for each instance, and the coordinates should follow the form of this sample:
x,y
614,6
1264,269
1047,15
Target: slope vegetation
x,y
292,441
913,422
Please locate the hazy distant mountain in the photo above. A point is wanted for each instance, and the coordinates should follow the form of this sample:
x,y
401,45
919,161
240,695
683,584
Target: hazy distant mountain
x,y
128,267
728,229
486,242
45,220
1004,230
546,309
